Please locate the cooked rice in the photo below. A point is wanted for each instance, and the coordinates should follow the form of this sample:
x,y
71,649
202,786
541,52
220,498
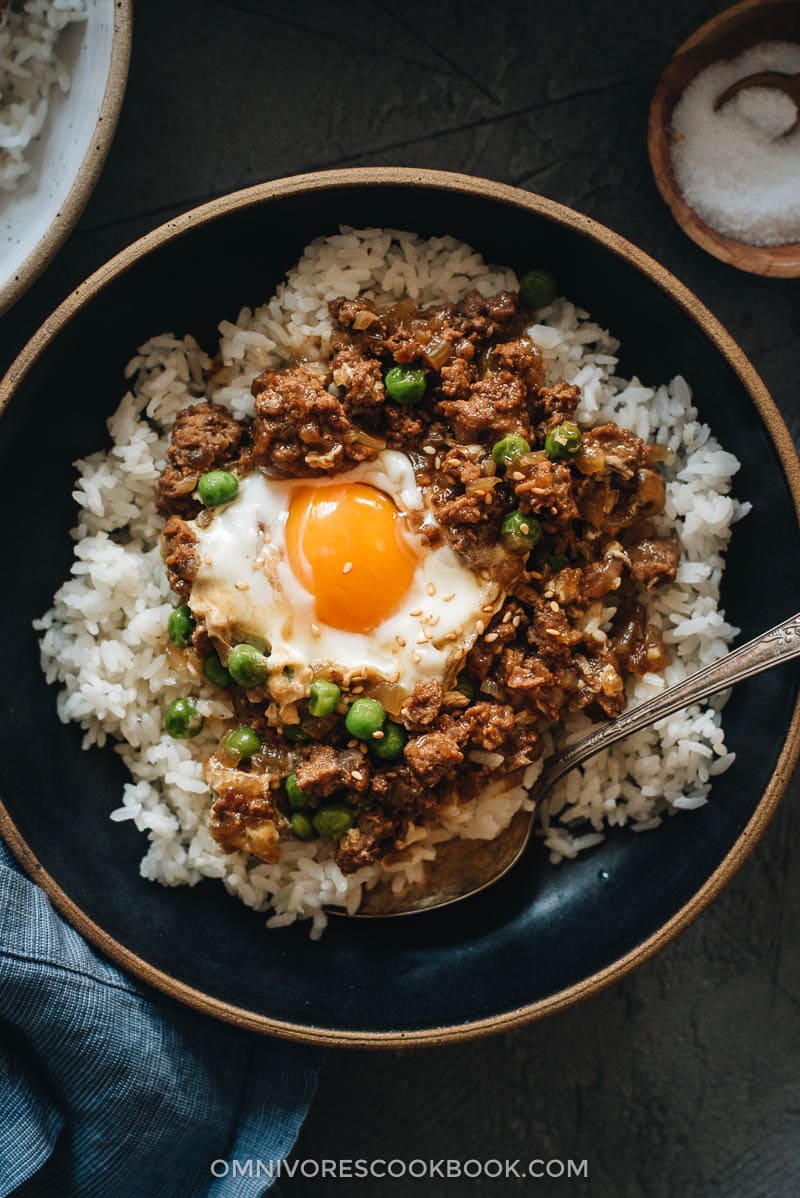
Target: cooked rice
x,y
103,640
29,69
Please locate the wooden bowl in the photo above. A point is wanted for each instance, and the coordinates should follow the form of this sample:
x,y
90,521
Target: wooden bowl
x,y
545,936
725,36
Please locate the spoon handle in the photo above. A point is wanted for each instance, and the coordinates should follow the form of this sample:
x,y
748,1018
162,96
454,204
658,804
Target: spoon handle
x,y
780,644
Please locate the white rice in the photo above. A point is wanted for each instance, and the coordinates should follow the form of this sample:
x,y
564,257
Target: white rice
x,y
29,70
103,640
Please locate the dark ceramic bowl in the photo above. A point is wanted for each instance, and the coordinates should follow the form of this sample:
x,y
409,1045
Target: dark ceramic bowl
x,y
542,938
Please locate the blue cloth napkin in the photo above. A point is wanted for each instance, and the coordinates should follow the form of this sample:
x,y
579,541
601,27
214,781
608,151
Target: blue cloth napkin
x,y
106,1088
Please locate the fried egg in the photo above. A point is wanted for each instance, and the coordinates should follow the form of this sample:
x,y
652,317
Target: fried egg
x,y
340,578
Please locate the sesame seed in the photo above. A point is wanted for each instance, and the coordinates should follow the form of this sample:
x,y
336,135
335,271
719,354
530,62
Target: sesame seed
x,y
352,744
429,449
433,621
438,462
416,612
487,609
207,559
447,598
347,567
423,640
401,640
358,690
518,476
359,777
242,586
553,607
485,575
507,616
431,589
479,626
524,529
316,630
378,735
415,657
362,748
490,637
517,621
487,499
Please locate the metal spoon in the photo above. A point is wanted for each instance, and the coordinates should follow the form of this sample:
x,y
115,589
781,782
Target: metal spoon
x,y
464,867
778,80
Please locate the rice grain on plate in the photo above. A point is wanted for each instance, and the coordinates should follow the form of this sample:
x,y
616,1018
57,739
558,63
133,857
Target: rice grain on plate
x,y
29,69
104,642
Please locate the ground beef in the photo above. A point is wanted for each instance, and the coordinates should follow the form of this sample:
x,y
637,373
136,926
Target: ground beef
x,y
432,755
326,770
180,555
572,625
204,437
423,704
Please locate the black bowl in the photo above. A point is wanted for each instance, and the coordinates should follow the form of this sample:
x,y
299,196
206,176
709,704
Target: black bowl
x,y
543,937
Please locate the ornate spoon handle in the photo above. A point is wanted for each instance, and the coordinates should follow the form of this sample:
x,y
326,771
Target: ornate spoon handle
x,y
772,648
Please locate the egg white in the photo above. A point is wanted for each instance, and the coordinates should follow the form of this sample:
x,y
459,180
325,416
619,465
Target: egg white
x,y
245,589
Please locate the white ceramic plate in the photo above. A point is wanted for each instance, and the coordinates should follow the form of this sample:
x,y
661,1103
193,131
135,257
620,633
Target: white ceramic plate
x,y
66,159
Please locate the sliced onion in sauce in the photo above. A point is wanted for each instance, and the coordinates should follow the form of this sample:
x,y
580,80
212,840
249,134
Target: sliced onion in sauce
x,y
364,438
364,319
437,352
477,485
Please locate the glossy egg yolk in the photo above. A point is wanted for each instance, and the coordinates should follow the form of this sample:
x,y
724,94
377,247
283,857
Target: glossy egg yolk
x,y
346,546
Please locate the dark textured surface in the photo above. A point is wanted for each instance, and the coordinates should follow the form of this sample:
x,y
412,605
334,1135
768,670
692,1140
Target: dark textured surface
x,y
685,1078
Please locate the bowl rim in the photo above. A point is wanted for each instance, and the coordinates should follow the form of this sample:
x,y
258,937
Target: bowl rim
x,y
91,165
724,343
763,260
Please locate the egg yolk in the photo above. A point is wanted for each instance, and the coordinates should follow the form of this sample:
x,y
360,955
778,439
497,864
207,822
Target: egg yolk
x,y
345,545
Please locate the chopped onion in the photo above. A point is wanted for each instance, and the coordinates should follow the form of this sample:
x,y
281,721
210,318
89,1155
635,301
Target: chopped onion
x,y
490,687
364,438
437,352
486,483
364,319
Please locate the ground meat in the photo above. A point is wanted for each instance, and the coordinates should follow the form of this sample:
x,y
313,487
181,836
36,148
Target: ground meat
x,y
654,561
179,547
541,658
496,406
432,755
300,429
243,816
361,379
373,834
325,770
423,704
484,726
205,436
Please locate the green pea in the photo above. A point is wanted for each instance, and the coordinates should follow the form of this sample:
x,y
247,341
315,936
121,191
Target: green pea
x,y
509,448
182,719
301,825
296,734
405,385
538,288
365,717
323,697
244,741
297,800
333,820
468,686
247,665
215,671
216,487
563,441
520,532
542,558
180,626
391,744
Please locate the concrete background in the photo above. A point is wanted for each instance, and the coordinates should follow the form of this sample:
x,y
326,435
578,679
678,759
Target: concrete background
x,y
684,1078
